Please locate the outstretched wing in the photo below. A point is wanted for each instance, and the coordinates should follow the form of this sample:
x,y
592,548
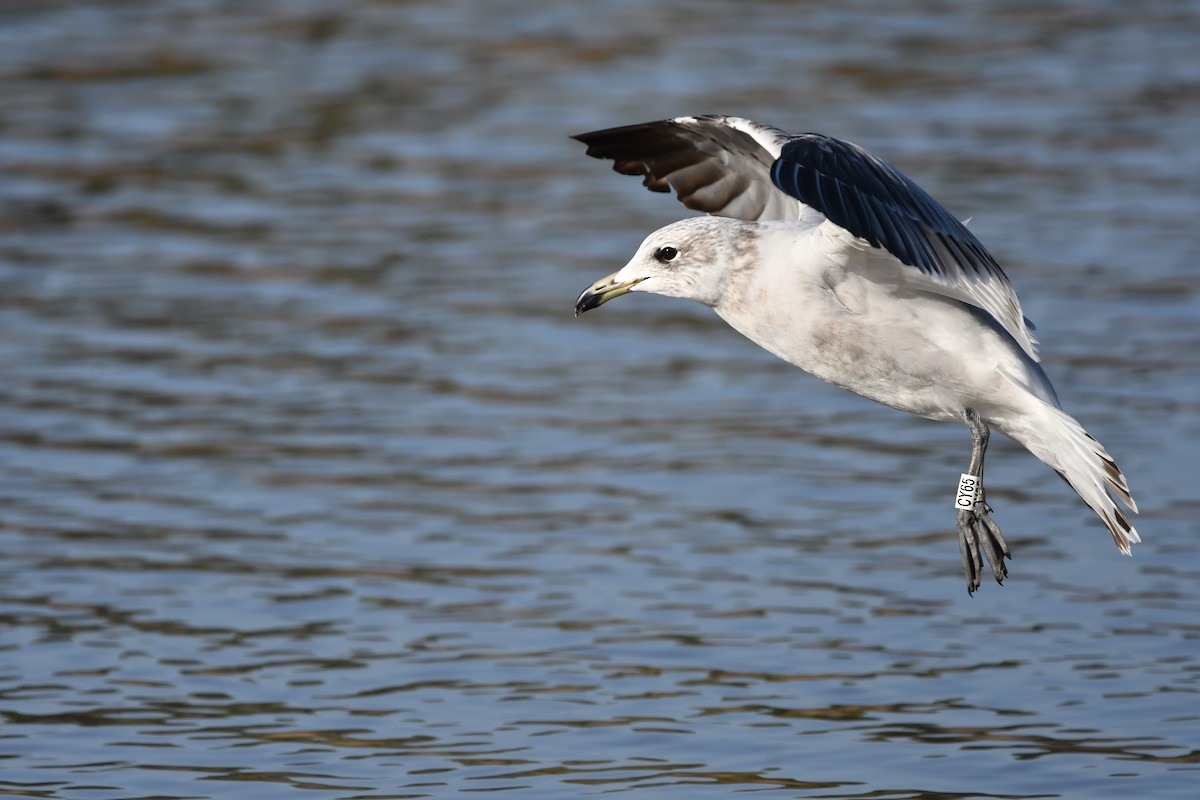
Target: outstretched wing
x,y
716,164
733,167
875,201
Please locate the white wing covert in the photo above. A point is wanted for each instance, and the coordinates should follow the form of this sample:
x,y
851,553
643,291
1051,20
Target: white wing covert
x,y
876,202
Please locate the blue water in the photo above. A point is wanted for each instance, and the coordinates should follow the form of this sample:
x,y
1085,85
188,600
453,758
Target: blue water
x,y
313,487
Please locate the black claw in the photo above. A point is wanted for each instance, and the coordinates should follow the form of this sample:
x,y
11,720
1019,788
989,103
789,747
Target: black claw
x,y
976,530
979,539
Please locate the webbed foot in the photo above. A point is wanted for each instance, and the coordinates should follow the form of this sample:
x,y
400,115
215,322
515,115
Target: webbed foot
x,y
978,533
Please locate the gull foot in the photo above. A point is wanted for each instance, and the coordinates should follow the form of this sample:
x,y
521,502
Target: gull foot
x,y
977,532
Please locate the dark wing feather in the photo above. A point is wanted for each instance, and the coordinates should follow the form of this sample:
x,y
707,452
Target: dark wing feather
x,y
716,164
876,202
734,167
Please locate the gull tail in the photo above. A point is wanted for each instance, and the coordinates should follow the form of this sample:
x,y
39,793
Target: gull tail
x,y
1059,440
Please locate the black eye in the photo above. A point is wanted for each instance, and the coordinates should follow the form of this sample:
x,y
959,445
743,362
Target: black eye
x,y
665,254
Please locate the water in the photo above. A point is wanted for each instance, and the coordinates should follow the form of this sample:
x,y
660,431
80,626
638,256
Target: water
x,y
311,482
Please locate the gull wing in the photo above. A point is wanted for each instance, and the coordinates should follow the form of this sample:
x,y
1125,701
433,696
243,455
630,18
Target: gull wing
x,y
733,167
716,164
874,201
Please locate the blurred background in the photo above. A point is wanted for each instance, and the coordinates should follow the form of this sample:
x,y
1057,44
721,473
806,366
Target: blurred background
x,y
312,486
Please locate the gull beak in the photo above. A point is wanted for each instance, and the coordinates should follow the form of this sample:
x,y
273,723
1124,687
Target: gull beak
x,y
602,291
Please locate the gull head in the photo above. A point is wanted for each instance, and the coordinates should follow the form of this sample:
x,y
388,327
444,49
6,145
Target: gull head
x,y
692,259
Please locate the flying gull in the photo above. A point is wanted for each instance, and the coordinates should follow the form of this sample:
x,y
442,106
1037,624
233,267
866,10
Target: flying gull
x,y
838,263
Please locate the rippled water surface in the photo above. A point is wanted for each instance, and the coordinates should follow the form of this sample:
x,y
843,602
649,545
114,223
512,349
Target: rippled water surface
x,y
313,487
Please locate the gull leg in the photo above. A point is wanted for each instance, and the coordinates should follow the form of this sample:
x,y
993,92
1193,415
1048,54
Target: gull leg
x,y
978,534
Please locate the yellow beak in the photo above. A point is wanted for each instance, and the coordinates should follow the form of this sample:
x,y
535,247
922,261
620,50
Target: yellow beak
x,y
602,291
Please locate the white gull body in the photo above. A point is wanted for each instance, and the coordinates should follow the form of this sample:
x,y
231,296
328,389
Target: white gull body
x,y
834,261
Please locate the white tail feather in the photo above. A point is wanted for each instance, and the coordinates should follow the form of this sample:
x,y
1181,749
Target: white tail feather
x,y
1059,440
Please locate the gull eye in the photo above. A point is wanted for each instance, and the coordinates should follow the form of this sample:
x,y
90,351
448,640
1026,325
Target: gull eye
x,y
666,254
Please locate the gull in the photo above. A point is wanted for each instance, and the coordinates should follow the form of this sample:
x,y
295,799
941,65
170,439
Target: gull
x,y
838,263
